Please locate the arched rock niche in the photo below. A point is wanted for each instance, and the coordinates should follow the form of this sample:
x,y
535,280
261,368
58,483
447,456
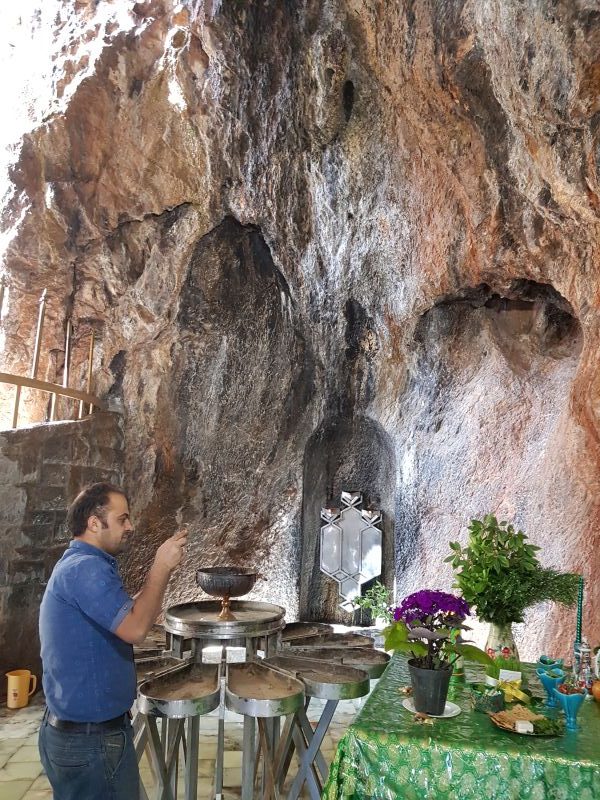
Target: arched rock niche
x,y
342,455
489,429
226,464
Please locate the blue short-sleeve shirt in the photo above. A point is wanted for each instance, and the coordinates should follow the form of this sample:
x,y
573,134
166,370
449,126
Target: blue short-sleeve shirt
x,y
89,673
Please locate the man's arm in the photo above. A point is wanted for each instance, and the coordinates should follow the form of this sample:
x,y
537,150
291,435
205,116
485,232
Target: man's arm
x,y
148,603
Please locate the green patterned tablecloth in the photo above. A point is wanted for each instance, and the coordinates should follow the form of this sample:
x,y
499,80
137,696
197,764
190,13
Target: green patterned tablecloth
x,y
384,755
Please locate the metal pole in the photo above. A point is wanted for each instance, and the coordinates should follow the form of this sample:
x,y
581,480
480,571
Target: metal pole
x,y
221,727
191,761
36,355
65,382
89,375
2,288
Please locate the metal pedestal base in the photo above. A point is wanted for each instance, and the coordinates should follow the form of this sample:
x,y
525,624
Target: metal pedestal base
x,y
189,635
163,747
298,734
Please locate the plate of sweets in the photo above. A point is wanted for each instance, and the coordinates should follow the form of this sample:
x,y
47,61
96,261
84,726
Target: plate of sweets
x,y
522,720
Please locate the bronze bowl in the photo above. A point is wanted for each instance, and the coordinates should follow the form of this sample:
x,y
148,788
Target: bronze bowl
x,y
226,582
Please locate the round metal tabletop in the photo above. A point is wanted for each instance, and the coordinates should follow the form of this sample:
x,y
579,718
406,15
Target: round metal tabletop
x,y
199,620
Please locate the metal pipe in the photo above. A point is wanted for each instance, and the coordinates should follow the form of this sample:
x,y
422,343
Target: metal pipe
x,y
38,336
2,288
36,355
65,382
89,375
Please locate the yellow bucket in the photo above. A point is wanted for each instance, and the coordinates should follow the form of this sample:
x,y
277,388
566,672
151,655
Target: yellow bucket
x,y
21,685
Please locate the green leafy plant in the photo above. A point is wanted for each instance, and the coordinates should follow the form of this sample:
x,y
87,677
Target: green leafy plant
x,y
498,663
549,727
428,625
376,601
499,573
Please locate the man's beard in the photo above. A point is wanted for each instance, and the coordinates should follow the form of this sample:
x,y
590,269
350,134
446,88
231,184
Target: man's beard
x,y
124,545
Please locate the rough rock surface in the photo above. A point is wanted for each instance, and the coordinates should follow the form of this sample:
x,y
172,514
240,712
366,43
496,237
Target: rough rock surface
x,y
325,243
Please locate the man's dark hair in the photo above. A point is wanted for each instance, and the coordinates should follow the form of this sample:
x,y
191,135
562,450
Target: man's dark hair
x,y
90,501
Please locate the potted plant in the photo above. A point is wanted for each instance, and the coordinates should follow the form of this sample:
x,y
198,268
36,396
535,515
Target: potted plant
x,y
376,601
428,625
499,573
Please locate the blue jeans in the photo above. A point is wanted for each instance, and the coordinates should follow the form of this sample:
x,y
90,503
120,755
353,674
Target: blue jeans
x,y
94,766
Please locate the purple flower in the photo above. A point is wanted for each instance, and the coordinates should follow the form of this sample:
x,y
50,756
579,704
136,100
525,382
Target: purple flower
x,y
435,607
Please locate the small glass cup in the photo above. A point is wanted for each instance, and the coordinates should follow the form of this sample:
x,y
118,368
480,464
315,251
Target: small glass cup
x,y
548,662
570,704
550,679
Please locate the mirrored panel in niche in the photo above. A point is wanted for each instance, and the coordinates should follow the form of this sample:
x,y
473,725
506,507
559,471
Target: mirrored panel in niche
x,y
351,546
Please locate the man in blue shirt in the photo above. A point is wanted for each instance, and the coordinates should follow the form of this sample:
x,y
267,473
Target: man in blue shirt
x,y
88,624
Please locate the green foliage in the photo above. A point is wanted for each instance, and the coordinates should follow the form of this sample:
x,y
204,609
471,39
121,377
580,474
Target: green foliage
x,y
471,653
395,635
376,601
398,637
498,572
549,727
498,663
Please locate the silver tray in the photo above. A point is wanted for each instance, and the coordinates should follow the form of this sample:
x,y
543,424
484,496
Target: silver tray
x,y
371,661
259,690
185,691
148,668
200,619
324,679
144,653
302,630
331,640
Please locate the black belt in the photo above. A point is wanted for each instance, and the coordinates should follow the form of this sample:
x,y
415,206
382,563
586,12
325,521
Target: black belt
x,y
86,727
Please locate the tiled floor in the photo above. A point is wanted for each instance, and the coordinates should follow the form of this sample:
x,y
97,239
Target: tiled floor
x,y
22,778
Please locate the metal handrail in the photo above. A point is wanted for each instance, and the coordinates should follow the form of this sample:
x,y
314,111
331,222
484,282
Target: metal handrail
x,y
32,382
53,388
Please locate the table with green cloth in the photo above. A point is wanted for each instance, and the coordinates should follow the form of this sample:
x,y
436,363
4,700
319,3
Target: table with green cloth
x,y
386,755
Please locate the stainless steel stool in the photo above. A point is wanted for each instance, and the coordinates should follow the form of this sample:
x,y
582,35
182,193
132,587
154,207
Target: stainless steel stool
x,y
180,697
325,681
261,692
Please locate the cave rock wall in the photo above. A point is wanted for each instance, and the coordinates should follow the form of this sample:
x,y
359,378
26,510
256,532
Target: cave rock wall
x,y
321,243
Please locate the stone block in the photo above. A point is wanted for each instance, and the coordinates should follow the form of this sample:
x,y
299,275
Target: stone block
x,y
10,471
13,500
25,753
39,534
29,459
58,449
54,474
80,450
40,517
38,469
60,533
106,430
27,570
16,771
52,555
82,476
107,458
46,498
15,789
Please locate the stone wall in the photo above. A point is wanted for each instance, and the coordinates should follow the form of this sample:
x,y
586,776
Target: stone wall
x,y
41,469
